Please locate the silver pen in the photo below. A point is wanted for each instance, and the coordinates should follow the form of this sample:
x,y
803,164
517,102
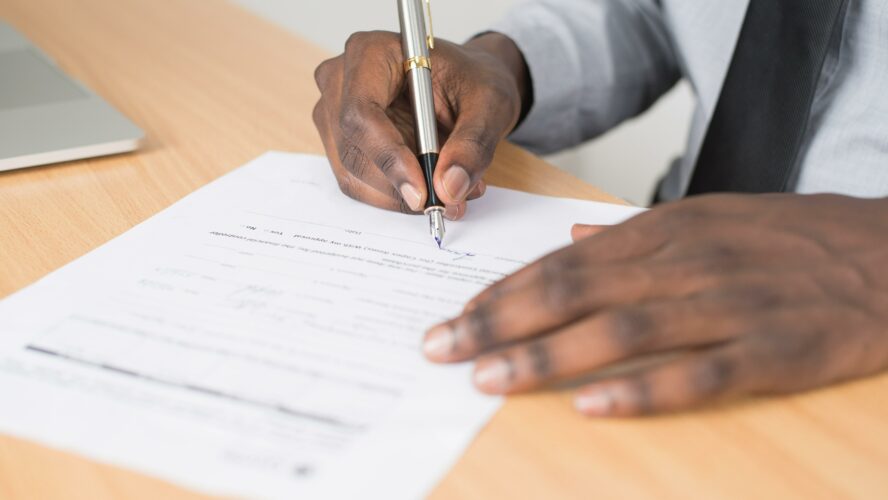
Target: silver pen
x,y
416,43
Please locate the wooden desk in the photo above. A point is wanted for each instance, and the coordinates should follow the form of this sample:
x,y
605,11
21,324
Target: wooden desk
x,y
214,87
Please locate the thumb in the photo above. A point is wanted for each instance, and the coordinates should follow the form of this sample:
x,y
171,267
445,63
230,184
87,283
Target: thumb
x,y
469,150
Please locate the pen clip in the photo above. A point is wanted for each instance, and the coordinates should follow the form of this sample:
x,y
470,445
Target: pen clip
x,y
430,39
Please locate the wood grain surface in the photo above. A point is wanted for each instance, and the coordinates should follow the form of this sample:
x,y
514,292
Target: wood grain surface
x,y
214,87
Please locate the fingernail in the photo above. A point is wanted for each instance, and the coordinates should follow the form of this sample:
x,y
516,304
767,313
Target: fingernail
x,y
594,403
439,342
411,196
493,375
456,183
451,212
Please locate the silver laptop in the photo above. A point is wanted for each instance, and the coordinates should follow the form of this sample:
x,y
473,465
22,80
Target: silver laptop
x,y
46,117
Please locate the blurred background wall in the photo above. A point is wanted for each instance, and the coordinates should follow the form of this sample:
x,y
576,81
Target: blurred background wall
x,y
626,162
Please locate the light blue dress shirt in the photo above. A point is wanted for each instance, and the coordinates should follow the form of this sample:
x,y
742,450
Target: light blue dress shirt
x,y
596,63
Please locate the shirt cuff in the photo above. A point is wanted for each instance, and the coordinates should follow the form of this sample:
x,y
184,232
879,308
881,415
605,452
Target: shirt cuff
x,y
552,58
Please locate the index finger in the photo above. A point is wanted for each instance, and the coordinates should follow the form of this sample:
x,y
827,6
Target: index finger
x,y
552,292
619,243
373,79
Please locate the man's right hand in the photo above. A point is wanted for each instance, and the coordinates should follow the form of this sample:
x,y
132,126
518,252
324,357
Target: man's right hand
x,y
365,120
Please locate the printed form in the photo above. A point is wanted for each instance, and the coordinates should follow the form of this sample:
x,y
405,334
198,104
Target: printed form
x,y
261,337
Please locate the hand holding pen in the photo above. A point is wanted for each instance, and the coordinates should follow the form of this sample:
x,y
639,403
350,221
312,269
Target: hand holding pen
x,y
366,121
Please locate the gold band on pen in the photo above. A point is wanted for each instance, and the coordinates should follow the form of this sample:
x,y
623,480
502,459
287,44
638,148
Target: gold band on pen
x,y
417,62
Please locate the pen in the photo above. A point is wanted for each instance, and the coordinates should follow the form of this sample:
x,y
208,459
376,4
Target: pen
x,y
416,44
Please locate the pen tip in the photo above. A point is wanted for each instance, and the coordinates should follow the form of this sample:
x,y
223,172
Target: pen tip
x,y
436,225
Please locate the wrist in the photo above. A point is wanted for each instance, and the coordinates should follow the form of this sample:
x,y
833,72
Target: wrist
x,y
507,52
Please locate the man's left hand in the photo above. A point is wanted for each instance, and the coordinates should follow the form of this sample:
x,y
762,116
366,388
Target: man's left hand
x,y
760,294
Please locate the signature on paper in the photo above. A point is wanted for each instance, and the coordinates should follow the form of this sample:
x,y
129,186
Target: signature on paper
x,y
458,255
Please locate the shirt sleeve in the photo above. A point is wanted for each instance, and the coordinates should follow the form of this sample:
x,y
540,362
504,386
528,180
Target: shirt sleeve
x,y
593,64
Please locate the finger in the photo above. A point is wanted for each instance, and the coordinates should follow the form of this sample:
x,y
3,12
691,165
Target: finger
x,y
569,292
373,177
582,231
372,189
458,211
478,191
455,212
624,242
373,78
612,336
359,190
530,311
325,71
565,292
471,145
369,142
712,374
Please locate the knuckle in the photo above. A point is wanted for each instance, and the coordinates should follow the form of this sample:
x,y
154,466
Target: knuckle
x,y
540,359
322,73
681,215
747,293
480,327
351,152
718,250
362,41
714,376
564,286
357,41
352,121
353,160
794,356
631,329
715,270
388,160
317,114
640,400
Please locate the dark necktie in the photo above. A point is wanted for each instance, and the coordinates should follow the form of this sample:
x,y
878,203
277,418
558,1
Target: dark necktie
x,y
760,120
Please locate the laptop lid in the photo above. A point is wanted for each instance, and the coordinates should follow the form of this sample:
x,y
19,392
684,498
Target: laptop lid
x,y
46,116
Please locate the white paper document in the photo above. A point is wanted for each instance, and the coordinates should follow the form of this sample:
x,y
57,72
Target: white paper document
x,y
261,337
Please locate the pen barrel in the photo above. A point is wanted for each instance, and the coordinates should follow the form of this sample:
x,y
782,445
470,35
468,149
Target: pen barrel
x,y
428,162
413,29
418,73
419,81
